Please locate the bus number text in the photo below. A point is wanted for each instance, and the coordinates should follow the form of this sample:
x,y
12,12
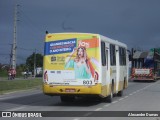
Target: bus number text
x,y
87,82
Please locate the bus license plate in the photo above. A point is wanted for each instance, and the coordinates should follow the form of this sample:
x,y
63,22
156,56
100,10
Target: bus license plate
x,y
70,90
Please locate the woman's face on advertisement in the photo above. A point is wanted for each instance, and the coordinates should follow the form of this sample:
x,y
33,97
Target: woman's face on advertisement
x,y
80,52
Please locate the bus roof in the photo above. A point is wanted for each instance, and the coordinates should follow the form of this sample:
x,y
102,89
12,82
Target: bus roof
x,y
116,42
103,38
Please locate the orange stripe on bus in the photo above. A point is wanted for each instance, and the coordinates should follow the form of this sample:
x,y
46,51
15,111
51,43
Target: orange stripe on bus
x,y
89,43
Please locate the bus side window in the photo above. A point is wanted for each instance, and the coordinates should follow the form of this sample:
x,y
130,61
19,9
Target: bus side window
x,y
107,58
103,55
112,55
122,56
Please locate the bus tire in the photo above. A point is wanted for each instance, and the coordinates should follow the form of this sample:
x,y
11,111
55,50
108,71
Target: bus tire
x,y
120,93
67,98
110,97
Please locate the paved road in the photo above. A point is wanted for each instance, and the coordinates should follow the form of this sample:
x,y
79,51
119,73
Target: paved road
x,y
139,96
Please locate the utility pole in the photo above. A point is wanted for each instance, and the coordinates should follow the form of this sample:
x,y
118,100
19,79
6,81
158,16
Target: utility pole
x,y
10,62
35,63
14,47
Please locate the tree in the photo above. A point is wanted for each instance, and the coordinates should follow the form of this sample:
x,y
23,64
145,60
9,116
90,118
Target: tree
x,y
20,68
30,61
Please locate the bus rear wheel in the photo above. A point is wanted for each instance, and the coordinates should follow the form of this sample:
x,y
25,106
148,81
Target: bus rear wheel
x,y
120,93
110,97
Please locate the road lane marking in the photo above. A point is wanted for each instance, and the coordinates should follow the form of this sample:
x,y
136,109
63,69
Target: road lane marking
x,y
107,105
138,90
114,102
97,109
141,89
126,97
121,99
134,92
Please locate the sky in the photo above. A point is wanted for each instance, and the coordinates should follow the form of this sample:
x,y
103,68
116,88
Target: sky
x,y
133,22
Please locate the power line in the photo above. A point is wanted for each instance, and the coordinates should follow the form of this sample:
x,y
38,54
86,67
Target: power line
x,y
32,26
25,49
30,22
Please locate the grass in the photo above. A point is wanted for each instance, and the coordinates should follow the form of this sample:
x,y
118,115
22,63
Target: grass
x,y
14,85
3,73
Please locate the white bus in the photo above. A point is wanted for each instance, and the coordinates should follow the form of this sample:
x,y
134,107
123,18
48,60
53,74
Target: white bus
x,y
83,64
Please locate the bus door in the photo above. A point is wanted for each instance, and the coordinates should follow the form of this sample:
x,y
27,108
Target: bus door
x,y
107,64
118,68
105,67
113,68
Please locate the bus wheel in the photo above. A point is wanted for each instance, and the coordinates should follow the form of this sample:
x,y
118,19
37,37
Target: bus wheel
x,y
109,98
67,98
120,93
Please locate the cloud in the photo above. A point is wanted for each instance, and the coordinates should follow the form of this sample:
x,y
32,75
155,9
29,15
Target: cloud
x,y
136,23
